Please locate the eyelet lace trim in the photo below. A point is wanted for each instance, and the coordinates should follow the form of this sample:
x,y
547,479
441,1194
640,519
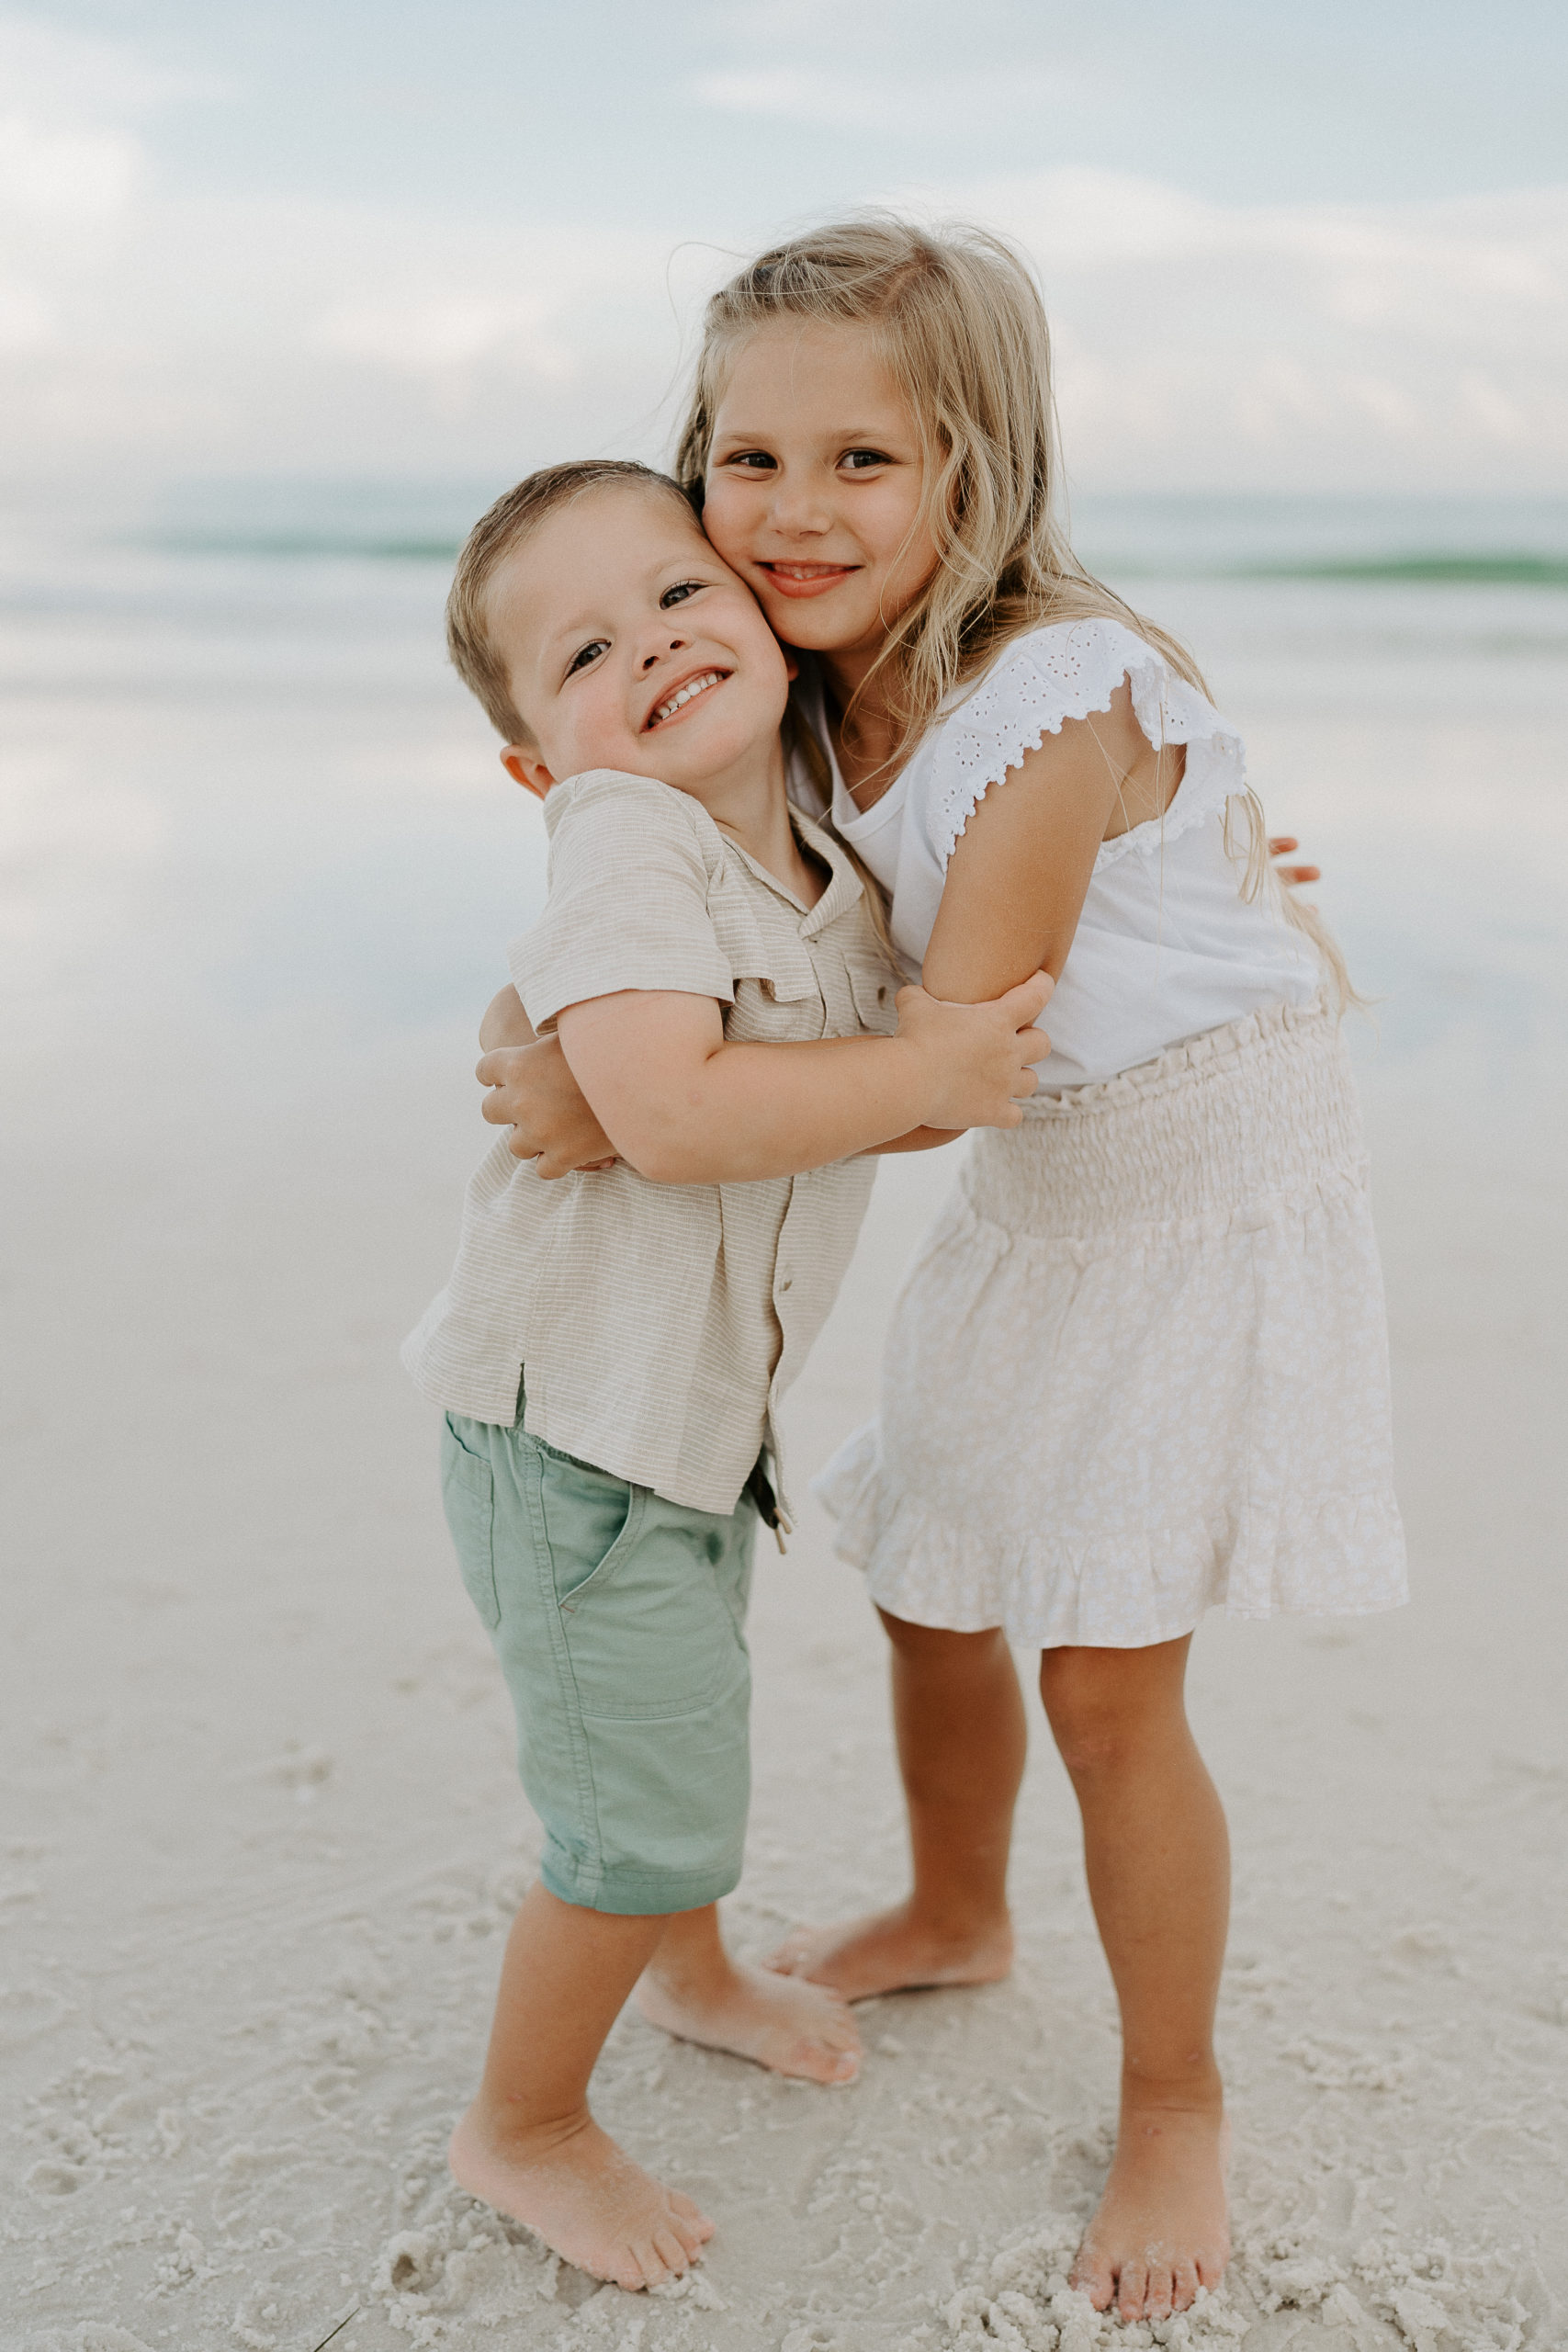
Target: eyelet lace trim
x,y
1069,669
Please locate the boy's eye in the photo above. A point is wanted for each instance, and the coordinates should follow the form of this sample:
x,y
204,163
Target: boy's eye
x,y
588,654
679,593
860,461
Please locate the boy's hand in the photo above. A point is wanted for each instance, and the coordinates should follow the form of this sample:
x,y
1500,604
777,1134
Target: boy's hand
x,y
532,1093
978,1056
505,1023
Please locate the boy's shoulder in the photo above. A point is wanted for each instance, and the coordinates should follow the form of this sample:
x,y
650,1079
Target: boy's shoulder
x,y
615,798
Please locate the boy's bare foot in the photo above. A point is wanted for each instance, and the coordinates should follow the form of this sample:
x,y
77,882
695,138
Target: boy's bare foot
x,y
799,2029
1160,2231
584,2196
893,1952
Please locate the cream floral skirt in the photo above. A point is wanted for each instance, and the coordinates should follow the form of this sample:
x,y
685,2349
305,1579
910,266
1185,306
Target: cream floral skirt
x,y
1139,1368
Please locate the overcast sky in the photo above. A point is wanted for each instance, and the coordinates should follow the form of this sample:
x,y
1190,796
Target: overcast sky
x,y
1293,247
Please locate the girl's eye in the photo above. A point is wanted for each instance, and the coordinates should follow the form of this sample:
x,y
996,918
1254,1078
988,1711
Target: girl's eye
x,y
755,461
589,653
679,593
860,461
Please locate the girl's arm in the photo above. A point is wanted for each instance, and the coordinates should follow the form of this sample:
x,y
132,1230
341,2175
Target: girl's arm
x,y
561,1132
1020,871
685,1107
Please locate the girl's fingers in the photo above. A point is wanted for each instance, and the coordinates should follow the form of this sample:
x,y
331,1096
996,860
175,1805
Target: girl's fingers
x,y
1294,874
1281,844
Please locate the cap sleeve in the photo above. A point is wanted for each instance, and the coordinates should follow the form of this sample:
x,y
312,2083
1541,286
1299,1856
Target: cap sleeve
x,y
630,875
1067,672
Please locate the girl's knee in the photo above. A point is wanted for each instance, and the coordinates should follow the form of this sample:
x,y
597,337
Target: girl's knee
x,y
1105,1706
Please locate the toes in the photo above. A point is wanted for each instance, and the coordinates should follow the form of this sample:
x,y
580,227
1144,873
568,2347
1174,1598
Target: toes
x,y
694,2231
650,2266
1131,2289
1183,2284
1157,2299
675,2257
1093,2278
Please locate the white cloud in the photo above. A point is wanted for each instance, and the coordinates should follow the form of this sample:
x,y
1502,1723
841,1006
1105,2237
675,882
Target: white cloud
x,y
906,103
79,175
446,335
1411,345
1198,344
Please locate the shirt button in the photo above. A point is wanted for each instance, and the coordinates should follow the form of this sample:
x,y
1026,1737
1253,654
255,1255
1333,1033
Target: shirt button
x,y
786,1281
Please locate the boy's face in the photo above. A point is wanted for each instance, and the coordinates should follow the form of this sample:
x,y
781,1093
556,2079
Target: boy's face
x,y
628,644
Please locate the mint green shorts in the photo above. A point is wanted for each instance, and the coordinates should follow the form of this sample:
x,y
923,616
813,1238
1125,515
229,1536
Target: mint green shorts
x,y
619,1621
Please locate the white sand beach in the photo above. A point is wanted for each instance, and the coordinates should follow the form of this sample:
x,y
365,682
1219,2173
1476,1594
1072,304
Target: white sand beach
x,y
262,1831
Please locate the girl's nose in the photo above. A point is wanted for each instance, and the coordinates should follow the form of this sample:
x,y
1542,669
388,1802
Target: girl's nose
x,y
795,508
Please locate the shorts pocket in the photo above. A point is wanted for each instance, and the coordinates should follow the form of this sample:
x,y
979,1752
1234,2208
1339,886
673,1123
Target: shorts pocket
x,y
651,1637
468,1494
590,1519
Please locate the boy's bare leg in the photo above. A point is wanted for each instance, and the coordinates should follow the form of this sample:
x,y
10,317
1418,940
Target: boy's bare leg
x,y
528,2144
959,1717
693,1988
1158,1862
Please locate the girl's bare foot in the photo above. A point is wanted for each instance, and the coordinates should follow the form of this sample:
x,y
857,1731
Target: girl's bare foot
x,y
583,2196
1160,2231
799,2029
894,1951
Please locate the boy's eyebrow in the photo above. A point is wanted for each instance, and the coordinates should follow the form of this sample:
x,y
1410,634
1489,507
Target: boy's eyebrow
x,y
575,623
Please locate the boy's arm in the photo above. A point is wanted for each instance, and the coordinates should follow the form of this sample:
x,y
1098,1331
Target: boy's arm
x,y
685,1107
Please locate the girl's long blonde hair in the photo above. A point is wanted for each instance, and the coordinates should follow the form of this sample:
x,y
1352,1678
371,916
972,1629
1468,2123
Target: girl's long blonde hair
x,y
957,319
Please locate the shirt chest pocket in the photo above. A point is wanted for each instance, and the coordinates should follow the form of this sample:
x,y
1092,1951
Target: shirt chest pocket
x,y
778,998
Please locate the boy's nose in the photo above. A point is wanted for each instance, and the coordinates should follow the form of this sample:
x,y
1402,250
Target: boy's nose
x,y
676,645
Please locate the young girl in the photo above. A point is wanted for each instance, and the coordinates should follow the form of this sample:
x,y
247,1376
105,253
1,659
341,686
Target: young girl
x,y
1139,1368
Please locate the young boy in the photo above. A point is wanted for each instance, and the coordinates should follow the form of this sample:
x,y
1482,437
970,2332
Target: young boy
x,y
611,1348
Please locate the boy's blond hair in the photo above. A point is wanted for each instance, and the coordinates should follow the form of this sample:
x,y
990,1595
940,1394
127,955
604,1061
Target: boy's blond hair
x,y
501,529
957,319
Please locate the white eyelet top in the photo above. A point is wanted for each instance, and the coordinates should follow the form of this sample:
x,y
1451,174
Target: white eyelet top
x,y
1166,946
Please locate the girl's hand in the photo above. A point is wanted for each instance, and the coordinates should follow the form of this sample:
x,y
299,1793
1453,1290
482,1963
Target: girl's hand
x,y
978,1056
533,1091
1281,845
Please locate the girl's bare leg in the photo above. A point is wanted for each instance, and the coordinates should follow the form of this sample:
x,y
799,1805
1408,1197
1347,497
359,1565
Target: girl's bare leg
x,y
528,2144
693,1989
1158,1862
959,1717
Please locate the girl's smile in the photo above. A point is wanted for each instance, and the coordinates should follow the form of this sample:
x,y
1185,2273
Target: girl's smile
x,y
807,579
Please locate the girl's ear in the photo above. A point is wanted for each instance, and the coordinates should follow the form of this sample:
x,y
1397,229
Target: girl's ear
x,y
791,666
525,767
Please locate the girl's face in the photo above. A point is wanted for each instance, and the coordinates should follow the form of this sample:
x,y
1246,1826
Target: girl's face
x,y
814,487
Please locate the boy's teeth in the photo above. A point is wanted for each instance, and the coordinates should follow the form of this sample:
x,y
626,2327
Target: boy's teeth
x,y
694,686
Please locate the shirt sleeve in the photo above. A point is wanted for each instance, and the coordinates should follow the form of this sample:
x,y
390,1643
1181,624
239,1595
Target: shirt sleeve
x,y
628,902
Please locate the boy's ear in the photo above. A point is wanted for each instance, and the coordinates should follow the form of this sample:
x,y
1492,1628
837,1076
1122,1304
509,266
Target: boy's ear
x,y
525,767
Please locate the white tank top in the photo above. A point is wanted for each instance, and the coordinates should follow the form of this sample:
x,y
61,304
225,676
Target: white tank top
x,y
1165,947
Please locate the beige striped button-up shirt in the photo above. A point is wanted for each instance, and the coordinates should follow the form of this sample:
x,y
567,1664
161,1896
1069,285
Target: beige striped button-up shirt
x,y
655,1327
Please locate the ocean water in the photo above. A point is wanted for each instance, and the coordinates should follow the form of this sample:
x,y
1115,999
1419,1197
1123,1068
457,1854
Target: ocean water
x,y
246,805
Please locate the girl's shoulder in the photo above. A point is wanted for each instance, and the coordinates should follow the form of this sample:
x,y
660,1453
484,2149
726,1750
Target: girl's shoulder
x,y
1065,669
